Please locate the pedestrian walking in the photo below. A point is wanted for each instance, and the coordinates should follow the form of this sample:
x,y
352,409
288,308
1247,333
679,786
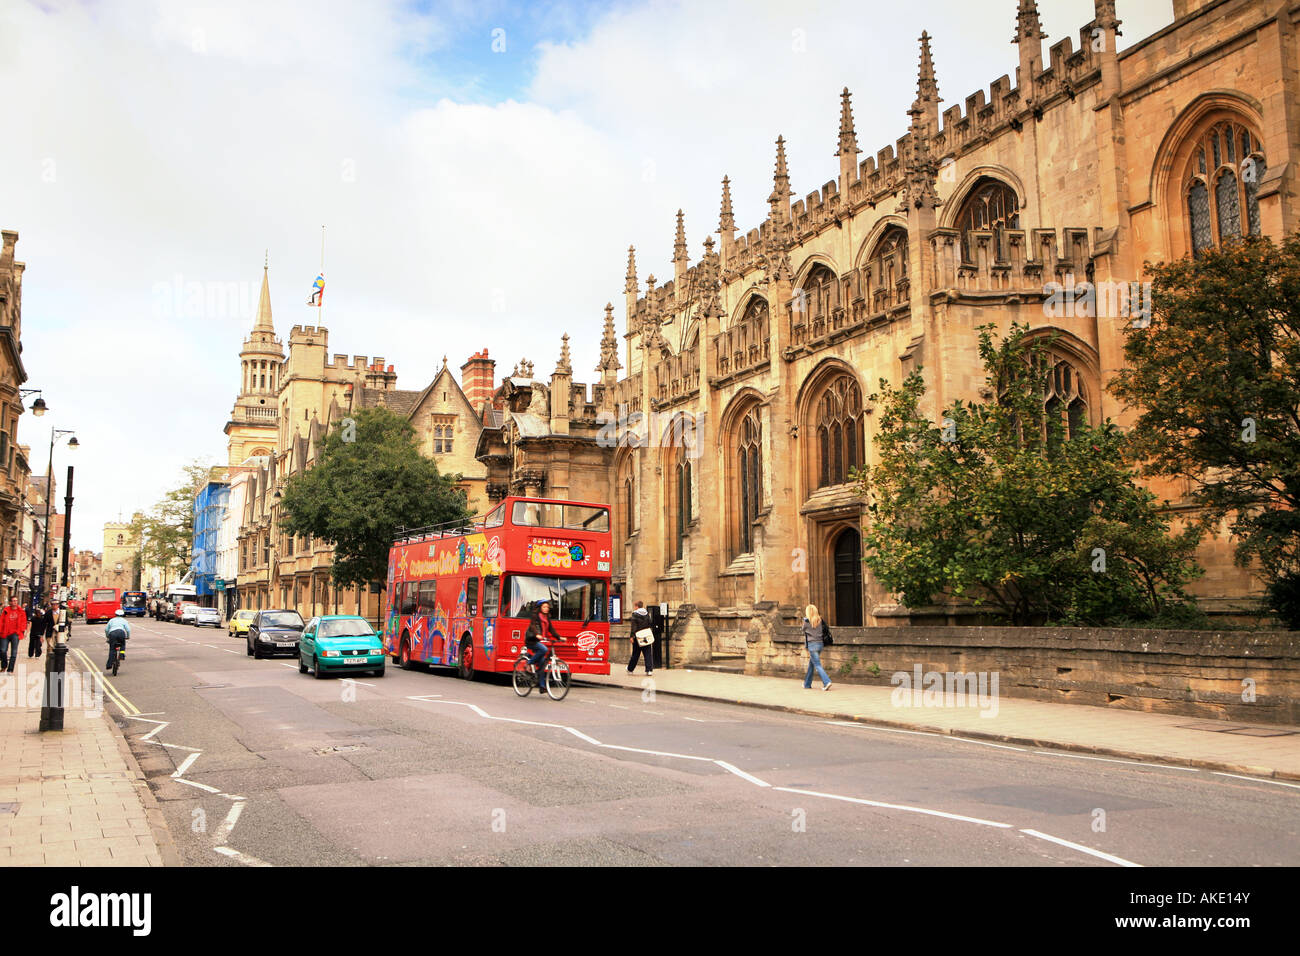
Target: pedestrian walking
x,y
816,635
13,625
643,639
40,620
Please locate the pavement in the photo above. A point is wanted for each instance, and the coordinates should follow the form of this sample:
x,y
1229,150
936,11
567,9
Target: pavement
x,y
1260,750
74,797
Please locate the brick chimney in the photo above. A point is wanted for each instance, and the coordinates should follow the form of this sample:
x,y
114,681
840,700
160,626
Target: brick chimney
x,y
476,379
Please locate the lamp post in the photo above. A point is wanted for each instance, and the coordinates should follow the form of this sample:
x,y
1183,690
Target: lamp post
x,y
56,660
73,445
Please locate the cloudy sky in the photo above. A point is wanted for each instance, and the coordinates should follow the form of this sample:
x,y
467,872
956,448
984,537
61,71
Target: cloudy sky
x,y
481,169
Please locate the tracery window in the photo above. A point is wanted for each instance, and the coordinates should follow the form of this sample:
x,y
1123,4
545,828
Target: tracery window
x,y
818,295
748,478
840,435
887,271
755,311
1065,398
991,206
1222,186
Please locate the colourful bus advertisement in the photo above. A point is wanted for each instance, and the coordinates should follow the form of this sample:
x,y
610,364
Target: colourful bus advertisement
x,y
462,597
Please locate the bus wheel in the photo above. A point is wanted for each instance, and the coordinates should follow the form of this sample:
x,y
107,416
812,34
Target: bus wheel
x,y
466,659
404,654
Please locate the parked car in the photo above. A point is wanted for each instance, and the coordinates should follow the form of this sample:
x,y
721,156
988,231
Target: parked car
x,y
207,615
178,608
189,613
340,643
274,631
239,623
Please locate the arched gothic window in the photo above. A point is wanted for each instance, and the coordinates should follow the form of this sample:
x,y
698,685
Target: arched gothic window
x,y
119,539
991,206
749,478
1222,186
1065,398
819,294
755,311
840,431
887,271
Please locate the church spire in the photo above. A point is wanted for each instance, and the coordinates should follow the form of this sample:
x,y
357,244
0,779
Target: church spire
x,y
848,148
565,365
726,220
679,243
780,198
927,88
1029,38
609,363
263,322
631,285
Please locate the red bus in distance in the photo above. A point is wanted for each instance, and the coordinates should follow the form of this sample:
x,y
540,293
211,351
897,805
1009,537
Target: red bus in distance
x,y
102,604
462,596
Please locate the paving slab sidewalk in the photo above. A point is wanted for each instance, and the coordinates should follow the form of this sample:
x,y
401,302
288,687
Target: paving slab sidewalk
x,y
74,797
1265,750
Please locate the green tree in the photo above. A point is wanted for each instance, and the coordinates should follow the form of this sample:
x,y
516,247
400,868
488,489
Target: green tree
x,y
1216,379
996,504
369,481
166,533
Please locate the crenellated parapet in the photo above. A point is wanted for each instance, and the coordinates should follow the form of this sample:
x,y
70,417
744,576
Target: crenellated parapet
x,y
1011,260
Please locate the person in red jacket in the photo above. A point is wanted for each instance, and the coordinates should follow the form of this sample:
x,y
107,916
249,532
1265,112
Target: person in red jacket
x,y
13,625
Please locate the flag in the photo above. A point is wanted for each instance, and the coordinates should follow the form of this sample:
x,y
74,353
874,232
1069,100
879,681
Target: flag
x,y
318,291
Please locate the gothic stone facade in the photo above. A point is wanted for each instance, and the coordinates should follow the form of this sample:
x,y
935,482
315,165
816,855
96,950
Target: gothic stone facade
x,y
769,346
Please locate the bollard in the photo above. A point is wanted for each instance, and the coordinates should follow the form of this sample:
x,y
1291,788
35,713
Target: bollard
x,y
55,668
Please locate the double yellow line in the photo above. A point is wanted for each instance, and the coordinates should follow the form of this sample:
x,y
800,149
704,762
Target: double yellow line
x,y
115,695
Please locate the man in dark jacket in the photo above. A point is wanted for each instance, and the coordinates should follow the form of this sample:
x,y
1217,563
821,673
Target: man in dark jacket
x,y
41,619
641,622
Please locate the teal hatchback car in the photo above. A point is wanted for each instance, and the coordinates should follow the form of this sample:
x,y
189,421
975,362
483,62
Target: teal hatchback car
x,y
340,643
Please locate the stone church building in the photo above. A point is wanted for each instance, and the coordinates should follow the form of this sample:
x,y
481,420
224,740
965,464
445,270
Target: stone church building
x,y
746,375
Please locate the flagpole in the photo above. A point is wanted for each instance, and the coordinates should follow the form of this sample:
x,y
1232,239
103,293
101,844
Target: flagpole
x,y
320,306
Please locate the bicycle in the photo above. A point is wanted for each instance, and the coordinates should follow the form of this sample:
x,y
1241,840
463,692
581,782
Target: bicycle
x,y
558,676
116,654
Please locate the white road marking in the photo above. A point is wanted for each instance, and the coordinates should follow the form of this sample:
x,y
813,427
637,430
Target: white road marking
x,y
243,858
1117,860
1132,763
730,768
1237,776
901,806
186,763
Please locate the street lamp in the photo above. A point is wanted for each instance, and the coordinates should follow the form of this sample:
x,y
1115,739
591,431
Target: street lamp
x,y
38,406
73,445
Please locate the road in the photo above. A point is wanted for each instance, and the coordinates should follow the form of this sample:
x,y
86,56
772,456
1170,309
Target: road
x,y
256,764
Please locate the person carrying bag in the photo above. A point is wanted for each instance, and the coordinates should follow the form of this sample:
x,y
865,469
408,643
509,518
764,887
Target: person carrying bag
x,y
643,639
816,635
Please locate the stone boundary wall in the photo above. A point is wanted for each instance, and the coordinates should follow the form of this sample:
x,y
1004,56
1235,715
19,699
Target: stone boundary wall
x,y
1196,673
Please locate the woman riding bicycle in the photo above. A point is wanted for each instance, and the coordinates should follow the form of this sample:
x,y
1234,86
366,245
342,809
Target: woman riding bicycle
x,y
540,626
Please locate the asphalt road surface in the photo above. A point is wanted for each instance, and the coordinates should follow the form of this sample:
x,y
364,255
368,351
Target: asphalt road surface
x,y
256,764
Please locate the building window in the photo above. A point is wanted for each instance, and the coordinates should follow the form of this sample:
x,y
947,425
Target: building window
x,y
444,428
991,206
1229,161
749,478
119,539
818,295
840,431
886,273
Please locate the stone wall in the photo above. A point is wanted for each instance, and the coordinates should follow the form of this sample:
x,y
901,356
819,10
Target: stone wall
x,y
1205,674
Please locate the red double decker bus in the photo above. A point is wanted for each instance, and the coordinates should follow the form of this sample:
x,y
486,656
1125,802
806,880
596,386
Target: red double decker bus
x,y
462,596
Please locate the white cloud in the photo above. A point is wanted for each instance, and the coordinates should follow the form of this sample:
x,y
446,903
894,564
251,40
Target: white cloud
x,y
156,143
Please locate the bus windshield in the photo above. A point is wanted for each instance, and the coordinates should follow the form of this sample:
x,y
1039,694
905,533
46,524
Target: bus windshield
x,y
133,599
572,599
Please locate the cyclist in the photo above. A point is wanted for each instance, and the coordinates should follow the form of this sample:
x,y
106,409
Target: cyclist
x,y
117,631
540,626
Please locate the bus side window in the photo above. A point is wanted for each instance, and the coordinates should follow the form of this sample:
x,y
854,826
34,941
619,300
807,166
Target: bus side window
x,y
491,596
471,597
409,597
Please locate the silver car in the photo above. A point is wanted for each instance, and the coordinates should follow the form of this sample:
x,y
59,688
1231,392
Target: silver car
x,y
207,615
189,613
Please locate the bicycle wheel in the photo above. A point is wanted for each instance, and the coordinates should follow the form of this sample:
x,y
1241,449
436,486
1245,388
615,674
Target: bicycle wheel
x,y
522,680
558,678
